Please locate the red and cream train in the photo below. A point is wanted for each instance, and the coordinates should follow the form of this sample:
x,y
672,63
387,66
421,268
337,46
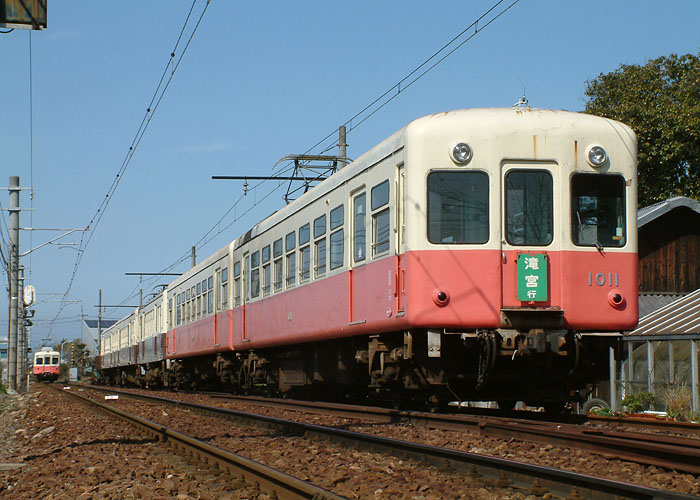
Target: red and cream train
x,y
484,254
46,365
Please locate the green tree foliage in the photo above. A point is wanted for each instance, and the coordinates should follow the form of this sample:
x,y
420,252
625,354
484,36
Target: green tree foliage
x,y
661,102
80,354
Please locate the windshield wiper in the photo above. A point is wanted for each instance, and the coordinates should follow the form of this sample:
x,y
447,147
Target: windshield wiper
x,y
581,227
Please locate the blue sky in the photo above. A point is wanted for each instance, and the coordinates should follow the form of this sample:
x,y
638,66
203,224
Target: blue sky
x,y
260,80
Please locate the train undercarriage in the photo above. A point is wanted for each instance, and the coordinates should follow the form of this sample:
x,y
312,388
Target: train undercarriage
x,y
430,367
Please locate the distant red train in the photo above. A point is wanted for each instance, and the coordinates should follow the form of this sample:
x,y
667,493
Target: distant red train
x,y
485,254
46,365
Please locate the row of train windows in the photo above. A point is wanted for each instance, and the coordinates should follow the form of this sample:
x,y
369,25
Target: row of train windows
x,y
458,208
49,360
197,301
278,266
150,322
288,260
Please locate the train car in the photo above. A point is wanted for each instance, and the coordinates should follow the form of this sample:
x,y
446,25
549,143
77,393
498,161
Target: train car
x,y
46,365
150,341
118,350
484,254
199,319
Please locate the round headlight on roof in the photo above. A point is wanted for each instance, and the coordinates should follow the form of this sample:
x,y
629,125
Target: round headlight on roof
x,y
596,156
461,153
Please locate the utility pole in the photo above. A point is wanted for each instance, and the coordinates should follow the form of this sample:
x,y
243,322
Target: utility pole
x,y
342,147
99,325
21,335
14,283
194,256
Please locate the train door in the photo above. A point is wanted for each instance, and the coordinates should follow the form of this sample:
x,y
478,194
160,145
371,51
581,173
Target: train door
x,y
217,303
245,296
399,276
358,255
528,241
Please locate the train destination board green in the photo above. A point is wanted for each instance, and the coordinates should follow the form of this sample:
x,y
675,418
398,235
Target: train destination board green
x,y
532,277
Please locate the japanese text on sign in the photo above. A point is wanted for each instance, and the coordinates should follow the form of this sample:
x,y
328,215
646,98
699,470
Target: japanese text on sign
x,y
532,277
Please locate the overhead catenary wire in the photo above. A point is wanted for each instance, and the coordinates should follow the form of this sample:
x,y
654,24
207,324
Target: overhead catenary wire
x,y
203,240
31,155
449,48
143,127
397,87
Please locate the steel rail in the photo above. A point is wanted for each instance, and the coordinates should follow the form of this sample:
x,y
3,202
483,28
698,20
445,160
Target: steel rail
x,y
646,448
645,423
286,487
486,470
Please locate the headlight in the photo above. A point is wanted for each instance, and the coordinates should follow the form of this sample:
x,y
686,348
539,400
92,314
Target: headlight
x,y
462,153
597,156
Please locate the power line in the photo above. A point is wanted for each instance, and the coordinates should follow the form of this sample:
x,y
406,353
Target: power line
x,y
143,127
31,153
385,98
397,87
375,105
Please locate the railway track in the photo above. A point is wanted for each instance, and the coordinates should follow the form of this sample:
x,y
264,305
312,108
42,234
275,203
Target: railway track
x,y
668,426
285,487
670,452
481,469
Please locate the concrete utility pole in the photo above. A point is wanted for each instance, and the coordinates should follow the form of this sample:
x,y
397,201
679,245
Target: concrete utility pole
x,y
21,336
194,256
99,325
14,283
342,147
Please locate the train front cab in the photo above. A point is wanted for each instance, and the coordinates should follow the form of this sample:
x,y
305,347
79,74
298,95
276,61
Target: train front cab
x,y
46,366
528,273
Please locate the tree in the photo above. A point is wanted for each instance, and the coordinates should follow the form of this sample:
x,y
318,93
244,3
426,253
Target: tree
x,y
80,355
661,102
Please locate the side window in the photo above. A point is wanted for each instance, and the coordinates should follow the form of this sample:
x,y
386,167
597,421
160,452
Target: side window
x,y
199,300
224,287
204,297
192,303
170,312
277,255
289,245
320,246
266,270
237,283
337,238
210,294
381,219
359,235
255,274
304,253
179,309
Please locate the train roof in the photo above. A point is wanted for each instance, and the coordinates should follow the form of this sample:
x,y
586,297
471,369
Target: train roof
x,y
46,350
480,120
385,148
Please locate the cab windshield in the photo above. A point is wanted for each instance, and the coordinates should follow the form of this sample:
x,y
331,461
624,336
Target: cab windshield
x,y
458,207
598,210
